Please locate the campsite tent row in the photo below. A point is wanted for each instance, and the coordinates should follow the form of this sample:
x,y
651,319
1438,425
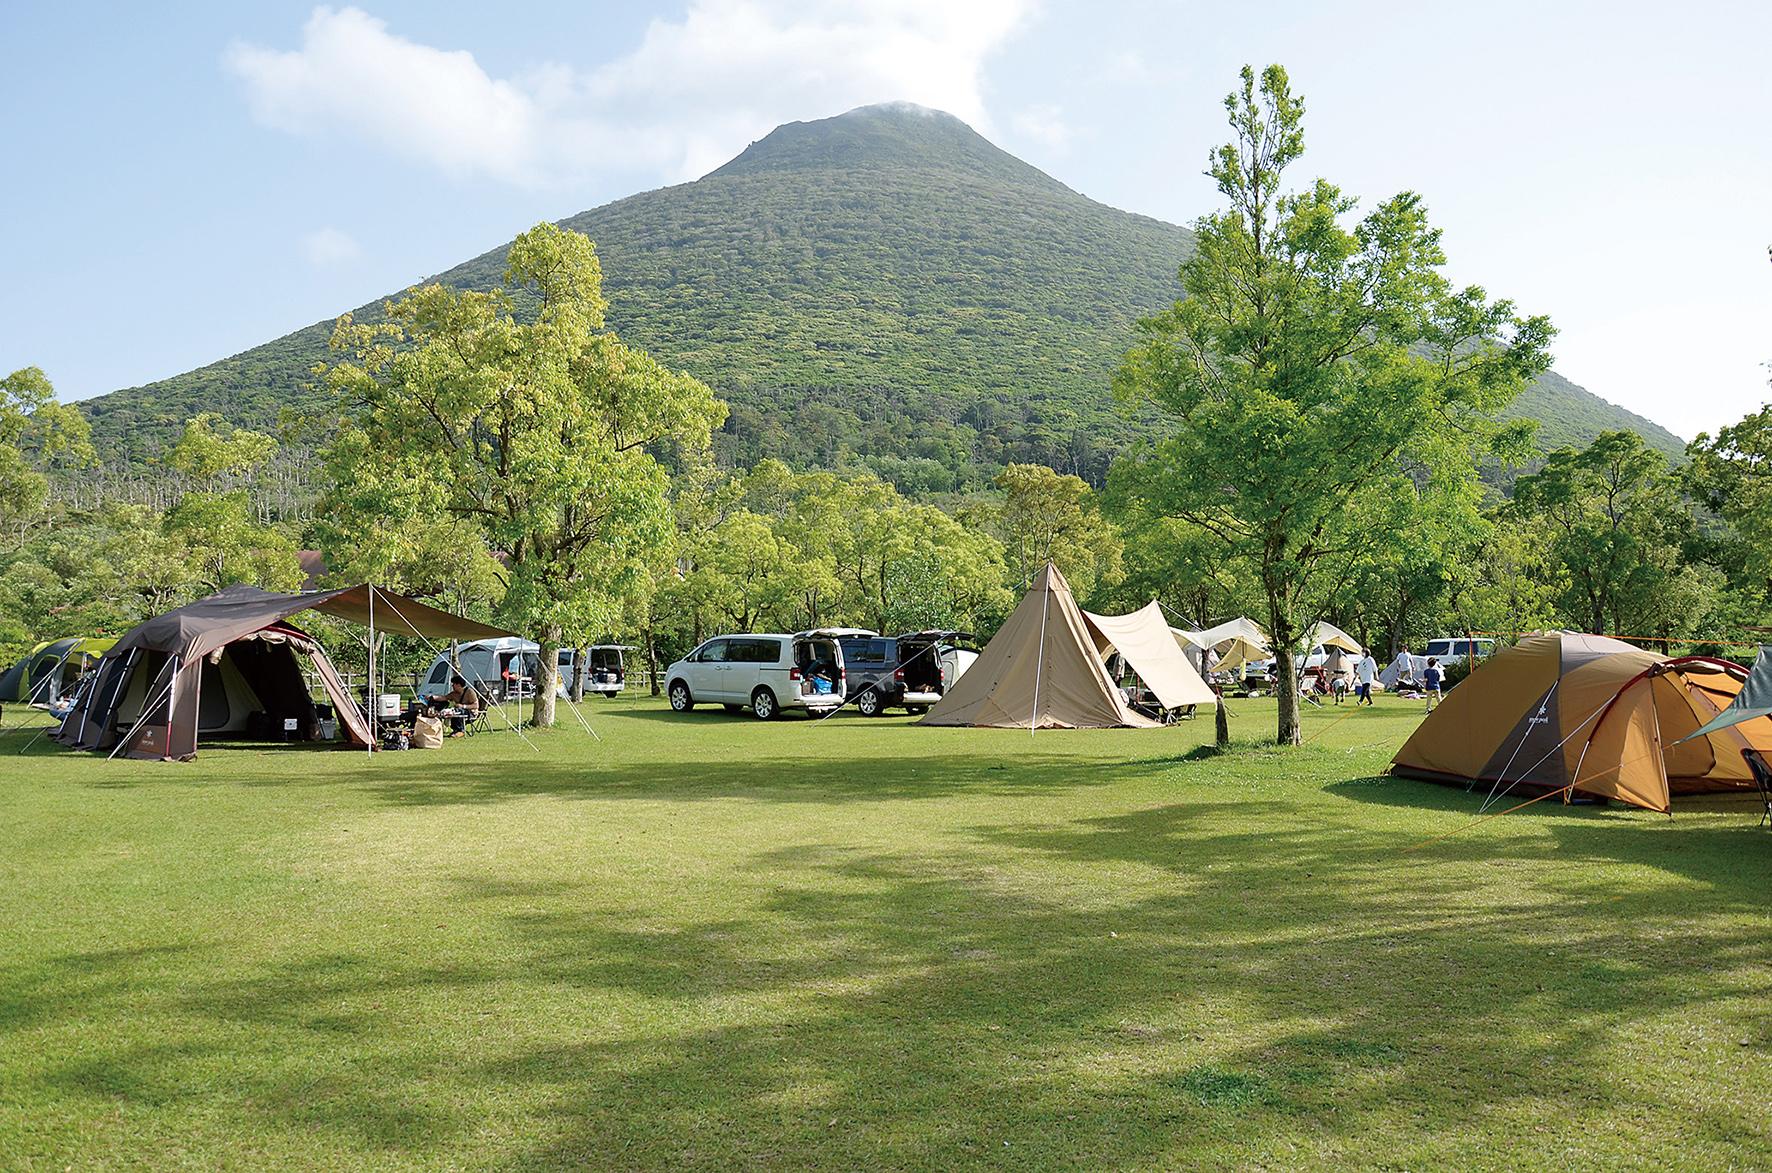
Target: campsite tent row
x,y
208,667
48,671
1241,641
1046,668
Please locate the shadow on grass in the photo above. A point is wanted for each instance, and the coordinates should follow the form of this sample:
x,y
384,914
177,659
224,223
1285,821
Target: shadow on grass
x,y
1249,980
1143,987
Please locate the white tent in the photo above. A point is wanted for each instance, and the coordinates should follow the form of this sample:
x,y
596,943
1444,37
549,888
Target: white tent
x,y
1331,636
1143,638
1237,641
1407,666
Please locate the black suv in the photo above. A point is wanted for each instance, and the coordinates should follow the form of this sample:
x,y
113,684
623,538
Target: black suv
x,y
903,671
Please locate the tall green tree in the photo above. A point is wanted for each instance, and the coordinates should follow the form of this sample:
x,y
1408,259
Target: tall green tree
x,y
516,411
1730,473
1615,527
225,543
1311,362
1050,517
38,435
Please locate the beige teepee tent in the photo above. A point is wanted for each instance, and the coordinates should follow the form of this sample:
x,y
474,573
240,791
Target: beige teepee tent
x,y
1040,671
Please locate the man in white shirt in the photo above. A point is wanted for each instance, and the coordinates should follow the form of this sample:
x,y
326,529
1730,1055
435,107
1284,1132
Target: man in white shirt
x,y
1365,672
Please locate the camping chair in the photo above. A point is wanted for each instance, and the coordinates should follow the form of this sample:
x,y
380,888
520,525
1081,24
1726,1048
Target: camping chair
x,y
1756,765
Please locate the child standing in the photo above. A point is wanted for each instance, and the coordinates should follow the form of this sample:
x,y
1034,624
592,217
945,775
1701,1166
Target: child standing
x,y
1430,679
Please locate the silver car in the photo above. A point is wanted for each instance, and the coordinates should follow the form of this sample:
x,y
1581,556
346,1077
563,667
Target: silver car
x,y
763,673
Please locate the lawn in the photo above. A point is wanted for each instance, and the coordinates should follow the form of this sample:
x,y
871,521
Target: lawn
x,y
708,941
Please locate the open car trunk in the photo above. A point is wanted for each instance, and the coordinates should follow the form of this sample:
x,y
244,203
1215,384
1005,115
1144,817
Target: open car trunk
x,y
922,664
819,661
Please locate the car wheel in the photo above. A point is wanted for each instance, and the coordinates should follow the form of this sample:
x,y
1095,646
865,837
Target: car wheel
x,y
681,701
869,704
763,704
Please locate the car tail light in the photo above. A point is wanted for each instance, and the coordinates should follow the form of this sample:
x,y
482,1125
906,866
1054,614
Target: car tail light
x,y
793,674
898,675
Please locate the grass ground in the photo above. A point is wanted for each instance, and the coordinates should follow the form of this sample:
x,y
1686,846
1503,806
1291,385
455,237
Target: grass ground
x,y
709,941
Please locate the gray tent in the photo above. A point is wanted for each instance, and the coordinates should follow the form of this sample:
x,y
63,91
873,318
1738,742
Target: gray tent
x,y
210,666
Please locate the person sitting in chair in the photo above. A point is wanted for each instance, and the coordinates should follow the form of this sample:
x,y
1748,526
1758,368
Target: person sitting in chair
x,y
466,703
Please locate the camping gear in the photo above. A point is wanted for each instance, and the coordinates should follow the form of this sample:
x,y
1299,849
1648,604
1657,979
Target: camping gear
x,y
1144,640
1040,671
427,733
203,668
1592,715
387,706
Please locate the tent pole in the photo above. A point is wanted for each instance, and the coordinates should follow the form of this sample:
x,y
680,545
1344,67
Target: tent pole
x,y
1040,659
148,711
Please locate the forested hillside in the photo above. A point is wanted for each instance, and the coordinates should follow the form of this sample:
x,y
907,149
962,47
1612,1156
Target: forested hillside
x,y
883,288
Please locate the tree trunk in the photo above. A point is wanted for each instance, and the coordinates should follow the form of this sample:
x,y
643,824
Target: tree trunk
x,y
1290,731
547,678
651,660
1222,722
576,688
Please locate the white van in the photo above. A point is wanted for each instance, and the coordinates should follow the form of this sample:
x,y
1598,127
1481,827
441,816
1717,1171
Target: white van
x,y
507,667
1456,649
762,673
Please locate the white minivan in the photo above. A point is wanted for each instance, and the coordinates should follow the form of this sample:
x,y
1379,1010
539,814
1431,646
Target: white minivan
x,y
762,673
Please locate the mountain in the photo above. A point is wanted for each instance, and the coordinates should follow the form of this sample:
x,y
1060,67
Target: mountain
x,y
885,286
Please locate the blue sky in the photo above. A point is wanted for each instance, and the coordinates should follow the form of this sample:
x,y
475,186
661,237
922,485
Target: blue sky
x,y
188,181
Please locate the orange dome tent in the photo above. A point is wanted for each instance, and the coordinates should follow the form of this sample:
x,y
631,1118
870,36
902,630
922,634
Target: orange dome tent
x,y
1587,713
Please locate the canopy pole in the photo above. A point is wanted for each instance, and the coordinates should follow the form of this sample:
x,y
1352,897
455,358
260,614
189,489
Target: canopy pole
x,y
374,693
1040,658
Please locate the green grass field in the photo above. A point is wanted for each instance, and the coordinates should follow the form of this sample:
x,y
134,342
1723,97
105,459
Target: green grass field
x,y
709,941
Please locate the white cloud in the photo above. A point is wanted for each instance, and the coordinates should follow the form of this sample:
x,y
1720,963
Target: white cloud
x,y
326,247
688,96
1044,124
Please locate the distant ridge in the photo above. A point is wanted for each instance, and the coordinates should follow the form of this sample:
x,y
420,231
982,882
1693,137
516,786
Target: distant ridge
x,y
885,287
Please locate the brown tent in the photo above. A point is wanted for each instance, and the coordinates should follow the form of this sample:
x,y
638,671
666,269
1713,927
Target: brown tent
x,y
211,666
1040,671
1587,713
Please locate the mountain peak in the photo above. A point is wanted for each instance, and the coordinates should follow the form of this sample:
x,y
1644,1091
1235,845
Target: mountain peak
x,y
899,135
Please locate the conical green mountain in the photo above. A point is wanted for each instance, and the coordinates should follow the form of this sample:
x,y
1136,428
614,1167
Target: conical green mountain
x,y
885,285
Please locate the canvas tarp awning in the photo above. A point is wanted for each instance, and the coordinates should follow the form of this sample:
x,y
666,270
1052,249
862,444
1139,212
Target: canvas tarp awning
x,y
1040,671
1144,639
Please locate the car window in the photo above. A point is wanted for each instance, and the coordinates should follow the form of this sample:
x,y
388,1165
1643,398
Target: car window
x,y
765,651
862,652
713,652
